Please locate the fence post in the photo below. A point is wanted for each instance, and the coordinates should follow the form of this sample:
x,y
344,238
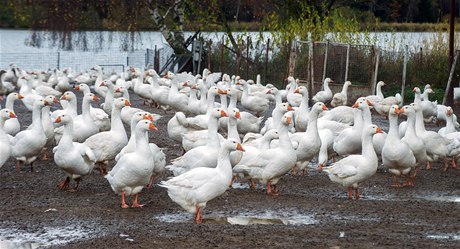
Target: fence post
x,y
156,61
292,57
451,75
403,83
209,55
127,61
312,68
325,62
58,60
266,60
238,61
247,57
346,63
376,70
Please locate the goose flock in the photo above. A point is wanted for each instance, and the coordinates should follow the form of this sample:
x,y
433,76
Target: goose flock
x,y
231,129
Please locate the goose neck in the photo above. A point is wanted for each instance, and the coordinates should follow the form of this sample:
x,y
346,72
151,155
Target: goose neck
x,y
393,130
419,125
10,102
284,140
116,124
212,138
367,146
67,136
223,162
232,129
410,131
379,91
233,102
37,124
142,141
85,109
367,116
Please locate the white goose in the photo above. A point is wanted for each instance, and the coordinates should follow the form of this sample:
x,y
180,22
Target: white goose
x,y
256,103
176,100
12,126
27,144
133,170
203,156
450,123
106,145
201,121
349,140
27,93
309,142
326,94
131,146
379,95
354,169
5,152
301,113
99,116
48,126
270,165
294,98
274,121
193,189
159,93
397,156
69,105
75,159
410,137
98,88
109,96
341,98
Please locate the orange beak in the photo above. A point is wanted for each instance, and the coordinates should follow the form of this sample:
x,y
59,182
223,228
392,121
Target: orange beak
x,y
95,98
297,90
102,84
237,115
148,117
413,90
118,90
238,83
368,103
290,108
355,105
193,86
378,130
12,115
325,108
55,100
185,83
219,91
63,97
20,96
46,102
223,113
152,127
58,120
269,91
77,88
127,103
239,147
289,120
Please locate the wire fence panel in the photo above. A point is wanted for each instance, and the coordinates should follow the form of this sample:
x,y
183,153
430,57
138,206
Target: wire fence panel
x,y
30,60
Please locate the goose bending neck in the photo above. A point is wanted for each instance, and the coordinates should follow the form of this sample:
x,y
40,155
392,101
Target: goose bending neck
x,y
379,91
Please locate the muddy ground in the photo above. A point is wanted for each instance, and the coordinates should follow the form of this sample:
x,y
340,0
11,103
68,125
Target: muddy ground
x,y
310,211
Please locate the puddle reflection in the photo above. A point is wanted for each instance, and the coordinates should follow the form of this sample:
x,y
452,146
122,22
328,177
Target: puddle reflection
x,y
6,244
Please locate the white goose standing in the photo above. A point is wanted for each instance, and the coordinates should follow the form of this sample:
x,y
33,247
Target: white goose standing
x,y
12,126
326,94
133,170
75,159
5,152
341,98
193,189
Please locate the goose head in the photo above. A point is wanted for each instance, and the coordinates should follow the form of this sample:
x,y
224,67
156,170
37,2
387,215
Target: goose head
x,y
319,107
347,83
449,111
146,125
407,110
235,113
272,134
119,103
63,119
15,96
327,81
218,113
68,96
372,129
361,103
41,102
7,114
416,90
394,110
232,145
52,99
287,118
302,90
91,97
284,107
380,84
416,107
138,116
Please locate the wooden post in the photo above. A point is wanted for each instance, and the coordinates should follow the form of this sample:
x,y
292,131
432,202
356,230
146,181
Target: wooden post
x,y
376,70
238,61
312,68
451,75
292,58
221,62
266,61
403,82
247,57
209,55
325,62
347,62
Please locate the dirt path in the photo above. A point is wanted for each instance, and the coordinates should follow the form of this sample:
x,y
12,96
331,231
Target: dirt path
x,y
311,211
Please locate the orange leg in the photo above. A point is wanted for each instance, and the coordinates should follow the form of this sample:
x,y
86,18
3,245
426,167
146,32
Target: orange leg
x,y
152,178
123,203
198,217
294,170
357,196
18,166
350,193
275,189
304,172
415,172
77,183
428,165
136,202
409,182
64,184
252,184
231,182
395,183
102,169
44,156
269,191
454,163
320,167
